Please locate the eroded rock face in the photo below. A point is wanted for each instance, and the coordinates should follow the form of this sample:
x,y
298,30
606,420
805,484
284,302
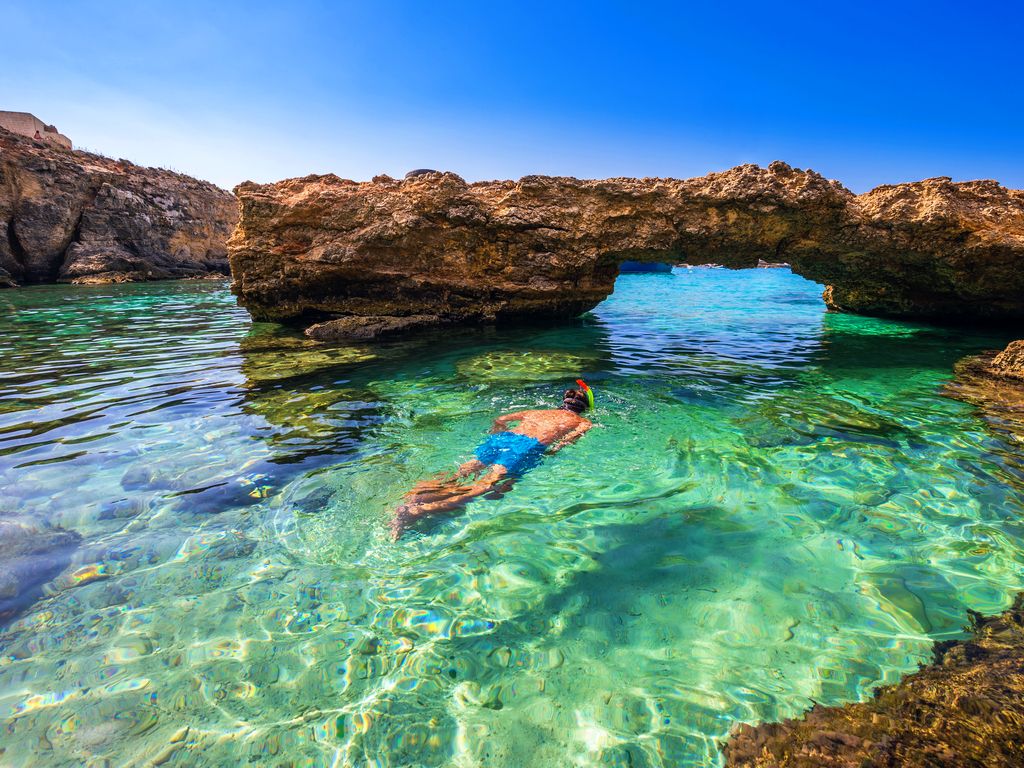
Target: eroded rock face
x,y
965,709
368,328
544,247
77,217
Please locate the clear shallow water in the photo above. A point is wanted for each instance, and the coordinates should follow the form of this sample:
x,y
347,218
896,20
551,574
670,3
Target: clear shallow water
x,y
777,507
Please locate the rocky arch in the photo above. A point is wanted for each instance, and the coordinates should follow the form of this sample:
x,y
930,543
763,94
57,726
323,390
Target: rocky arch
x,y
386,254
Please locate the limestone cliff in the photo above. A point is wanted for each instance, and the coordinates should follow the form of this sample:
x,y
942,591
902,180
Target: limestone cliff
x,y
77,217
433,246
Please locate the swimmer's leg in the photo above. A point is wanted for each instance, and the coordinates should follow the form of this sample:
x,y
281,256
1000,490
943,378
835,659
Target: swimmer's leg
x,y
445,497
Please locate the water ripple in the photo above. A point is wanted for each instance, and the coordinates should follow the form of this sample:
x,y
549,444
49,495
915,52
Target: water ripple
x,y
776,507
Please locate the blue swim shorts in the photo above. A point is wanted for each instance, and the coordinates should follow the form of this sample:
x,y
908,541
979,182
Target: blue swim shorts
x,y
516,453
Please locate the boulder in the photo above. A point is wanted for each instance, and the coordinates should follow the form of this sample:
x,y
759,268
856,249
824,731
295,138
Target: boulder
x,y
358,328
419,172
1010,362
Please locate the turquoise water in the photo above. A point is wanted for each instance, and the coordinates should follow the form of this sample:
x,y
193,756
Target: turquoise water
x,y
777,507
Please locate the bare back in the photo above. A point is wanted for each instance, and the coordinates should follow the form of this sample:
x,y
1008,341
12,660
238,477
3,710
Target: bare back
x,y
547,426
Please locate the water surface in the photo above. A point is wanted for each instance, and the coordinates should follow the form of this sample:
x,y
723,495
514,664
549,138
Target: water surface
x,y
777,507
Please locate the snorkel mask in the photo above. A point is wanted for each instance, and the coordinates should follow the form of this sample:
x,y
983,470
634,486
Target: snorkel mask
x,y
589,393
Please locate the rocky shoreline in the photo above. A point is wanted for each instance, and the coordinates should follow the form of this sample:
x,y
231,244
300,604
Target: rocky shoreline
x,y
75,217
323,248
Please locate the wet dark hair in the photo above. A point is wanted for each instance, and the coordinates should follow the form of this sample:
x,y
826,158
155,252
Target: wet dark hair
x,y
574,400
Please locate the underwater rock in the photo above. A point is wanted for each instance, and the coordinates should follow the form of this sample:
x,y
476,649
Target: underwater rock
x,y
30,555
525,365
964,709
992,382
75,217
550,247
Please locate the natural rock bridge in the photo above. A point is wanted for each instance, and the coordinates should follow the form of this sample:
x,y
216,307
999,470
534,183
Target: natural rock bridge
x,y
433,249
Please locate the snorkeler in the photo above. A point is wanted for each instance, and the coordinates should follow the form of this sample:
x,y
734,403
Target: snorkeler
x,y
501,459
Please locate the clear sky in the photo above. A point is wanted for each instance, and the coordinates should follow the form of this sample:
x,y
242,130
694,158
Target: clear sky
x,y
864,92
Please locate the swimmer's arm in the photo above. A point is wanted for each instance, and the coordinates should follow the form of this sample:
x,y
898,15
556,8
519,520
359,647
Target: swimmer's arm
x,y
501,423
570,437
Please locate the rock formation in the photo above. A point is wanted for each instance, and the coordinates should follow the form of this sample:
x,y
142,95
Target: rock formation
x,y
323,247
965,709
1009,363
77,217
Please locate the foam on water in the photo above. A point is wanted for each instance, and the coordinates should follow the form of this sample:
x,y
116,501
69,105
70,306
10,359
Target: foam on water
x,y
777,507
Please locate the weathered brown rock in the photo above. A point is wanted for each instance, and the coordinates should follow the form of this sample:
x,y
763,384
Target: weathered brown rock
x,y
994,382
77,217
1010,362
432,244
966,710
361,328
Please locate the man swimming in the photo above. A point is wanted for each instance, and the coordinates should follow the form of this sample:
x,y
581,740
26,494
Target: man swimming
x,y
517,443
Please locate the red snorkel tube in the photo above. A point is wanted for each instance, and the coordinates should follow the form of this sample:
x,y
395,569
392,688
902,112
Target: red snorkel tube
x,y
588,391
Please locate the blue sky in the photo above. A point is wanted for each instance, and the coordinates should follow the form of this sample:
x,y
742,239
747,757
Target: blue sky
x,y
867,93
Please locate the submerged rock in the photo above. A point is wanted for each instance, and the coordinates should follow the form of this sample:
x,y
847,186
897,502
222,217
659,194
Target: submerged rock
x,y
75,217
30,555
994,383
964,709
550,247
